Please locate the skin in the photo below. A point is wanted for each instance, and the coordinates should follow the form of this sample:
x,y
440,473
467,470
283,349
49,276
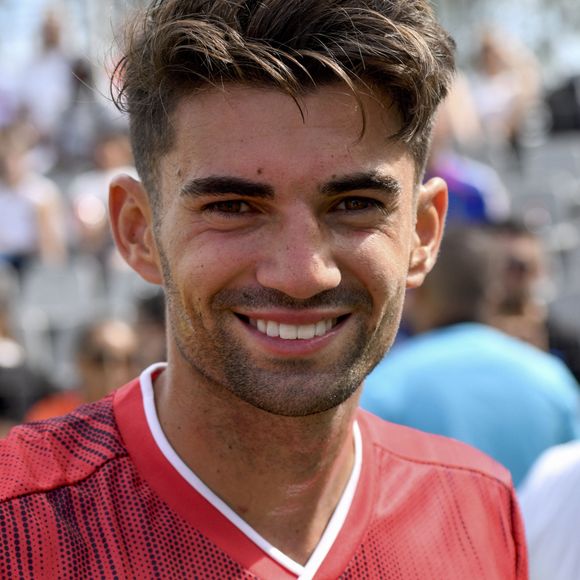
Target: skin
x,y
266,215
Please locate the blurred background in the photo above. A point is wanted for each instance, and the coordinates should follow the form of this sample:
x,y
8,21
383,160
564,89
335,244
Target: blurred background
x,y
507,141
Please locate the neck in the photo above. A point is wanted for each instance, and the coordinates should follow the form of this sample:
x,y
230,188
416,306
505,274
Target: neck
x,y
283,475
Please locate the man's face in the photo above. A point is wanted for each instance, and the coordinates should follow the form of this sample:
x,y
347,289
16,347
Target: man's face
x,y
525,270
284,243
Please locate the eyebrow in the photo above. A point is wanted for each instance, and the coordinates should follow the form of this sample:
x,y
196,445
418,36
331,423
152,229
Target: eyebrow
x,y
222,185
363,180
218,185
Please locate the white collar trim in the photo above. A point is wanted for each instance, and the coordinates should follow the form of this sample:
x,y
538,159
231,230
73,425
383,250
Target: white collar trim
x,y
332,529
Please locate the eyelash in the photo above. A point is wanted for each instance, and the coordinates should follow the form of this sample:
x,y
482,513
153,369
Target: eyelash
x,y
368,202
232,208
218,207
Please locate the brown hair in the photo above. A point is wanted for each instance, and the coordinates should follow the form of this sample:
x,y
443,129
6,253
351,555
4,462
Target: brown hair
x,y
464,282
395,47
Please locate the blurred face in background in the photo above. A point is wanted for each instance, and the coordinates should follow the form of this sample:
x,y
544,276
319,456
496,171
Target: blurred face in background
x,y
109,359
524,271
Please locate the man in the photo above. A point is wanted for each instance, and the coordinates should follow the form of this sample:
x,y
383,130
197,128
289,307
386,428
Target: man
x,y
281,146
526,284
106,355
462,378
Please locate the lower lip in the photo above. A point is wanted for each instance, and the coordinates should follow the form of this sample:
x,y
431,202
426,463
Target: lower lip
x,y
293,348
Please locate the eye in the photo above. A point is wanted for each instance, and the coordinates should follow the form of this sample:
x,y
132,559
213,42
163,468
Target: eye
x,y
230,206
357,204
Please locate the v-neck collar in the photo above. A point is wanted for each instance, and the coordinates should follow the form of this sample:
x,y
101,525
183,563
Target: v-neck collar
x,y
179,486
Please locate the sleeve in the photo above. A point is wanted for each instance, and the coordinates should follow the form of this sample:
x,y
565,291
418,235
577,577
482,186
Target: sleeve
x,y
519,538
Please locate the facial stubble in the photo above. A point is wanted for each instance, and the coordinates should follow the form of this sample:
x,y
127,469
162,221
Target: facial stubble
x,y
287,387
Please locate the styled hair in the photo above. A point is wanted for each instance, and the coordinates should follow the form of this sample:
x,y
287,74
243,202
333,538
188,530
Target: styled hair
x,y
396,48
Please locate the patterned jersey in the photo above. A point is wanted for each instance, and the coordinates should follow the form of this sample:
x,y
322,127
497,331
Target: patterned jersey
x,y
91,495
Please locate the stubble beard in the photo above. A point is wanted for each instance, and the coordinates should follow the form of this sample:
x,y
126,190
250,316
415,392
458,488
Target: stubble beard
x,y
294,387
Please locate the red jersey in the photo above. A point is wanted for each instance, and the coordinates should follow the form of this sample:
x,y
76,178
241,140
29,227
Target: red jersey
x,y
93,495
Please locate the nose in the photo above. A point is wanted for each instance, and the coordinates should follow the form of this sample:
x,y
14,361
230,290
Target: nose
x,y
298,259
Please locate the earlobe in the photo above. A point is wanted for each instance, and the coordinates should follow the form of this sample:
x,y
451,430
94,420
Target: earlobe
x,y
431,211
132,226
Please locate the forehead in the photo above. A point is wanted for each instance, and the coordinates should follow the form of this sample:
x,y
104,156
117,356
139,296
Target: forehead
x,y
243,131
525,245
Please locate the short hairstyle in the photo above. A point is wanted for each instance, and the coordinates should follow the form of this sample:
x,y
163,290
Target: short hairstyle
x,y
513,228
394,47
464,279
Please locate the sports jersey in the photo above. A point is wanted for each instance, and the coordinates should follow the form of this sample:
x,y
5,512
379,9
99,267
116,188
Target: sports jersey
x,y
100,493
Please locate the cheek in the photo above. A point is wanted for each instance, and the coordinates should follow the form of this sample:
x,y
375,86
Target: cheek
x,y
200,267
381,264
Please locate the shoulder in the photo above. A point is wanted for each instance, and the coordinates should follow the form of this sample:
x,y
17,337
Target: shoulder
x,y
426,359
426,349
447,348
442,343
419,448
42,456
550,507
556,469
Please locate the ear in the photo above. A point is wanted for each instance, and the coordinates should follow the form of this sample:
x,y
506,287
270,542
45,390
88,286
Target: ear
x,y
431,207
131,219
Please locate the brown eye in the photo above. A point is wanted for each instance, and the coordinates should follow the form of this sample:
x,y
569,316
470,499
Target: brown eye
x,y
229,206
356,204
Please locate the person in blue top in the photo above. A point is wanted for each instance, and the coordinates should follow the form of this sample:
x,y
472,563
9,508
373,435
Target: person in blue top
x,y
462,378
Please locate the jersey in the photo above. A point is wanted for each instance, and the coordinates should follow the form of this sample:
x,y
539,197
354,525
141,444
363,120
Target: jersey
x,y
93,495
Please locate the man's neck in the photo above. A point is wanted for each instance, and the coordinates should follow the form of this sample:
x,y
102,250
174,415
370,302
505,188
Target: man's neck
x,y
283,475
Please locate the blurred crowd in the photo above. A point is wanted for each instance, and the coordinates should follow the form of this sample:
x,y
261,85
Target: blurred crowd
x,y
74,320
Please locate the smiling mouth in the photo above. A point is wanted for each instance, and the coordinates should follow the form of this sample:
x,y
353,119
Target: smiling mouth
x,y
293,331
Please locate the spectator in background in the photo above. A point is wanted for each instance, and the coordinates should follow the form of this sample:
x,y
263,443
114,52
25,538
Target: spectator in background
x,y
8,99
461,378
106,356
89,192
150,329
20,385
522,310
46,88
31,213
87,120
506,89
476,192
550,505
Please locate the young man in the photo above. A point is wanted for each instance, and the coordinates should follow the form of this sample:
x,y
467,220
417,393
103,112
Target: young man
x,y
281,147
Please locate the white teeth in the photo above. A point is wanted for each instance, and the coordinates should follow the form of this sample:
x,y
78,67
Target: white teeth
x,y
307,331
272,328
288,331
293,331
321,328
